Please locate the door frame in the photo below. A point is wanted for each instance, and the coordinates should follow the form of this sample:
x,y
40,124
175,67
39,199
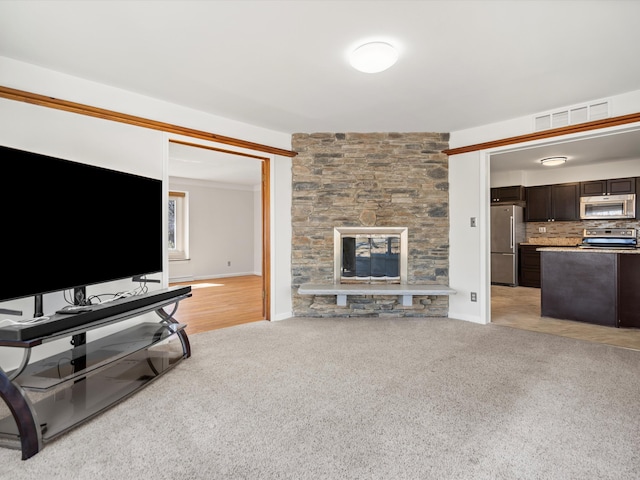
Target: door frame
x,y
265,192
614,126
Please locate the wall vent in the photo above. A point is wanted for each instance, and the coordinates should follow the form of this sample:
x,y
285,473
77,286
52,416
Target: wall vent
x,y
572,116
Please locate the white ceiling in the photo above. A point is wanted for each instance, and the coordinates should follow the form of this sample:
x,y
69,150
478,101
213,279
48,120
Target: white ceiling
x,y
283,65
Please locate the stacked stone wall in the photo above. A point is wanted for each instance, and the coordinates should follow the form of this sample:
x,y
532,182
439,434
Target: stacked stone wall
x,y
370,180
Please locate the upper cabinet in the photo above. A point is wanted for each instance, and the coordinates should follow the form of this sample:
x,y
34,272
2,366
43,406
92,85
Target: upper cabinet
x,y
616,186
553,203
507,194
561,202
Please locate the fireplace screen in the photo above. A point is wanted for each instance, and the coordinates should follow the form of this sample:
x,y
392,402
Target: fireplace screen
x,y
365,256
370,256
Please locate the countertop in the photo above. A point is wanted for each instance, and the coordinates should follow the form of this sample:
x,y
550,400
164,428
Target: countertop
x,y
553,241
625,251
570,244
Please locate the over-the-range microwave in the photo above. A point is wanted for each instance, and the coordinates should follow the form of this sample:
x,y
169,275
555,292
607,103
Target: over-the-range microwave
x,y
603,207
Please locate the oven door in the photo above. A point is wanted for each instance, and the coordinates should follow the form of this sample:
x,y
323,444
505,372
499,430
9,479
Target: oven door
x,y
604,242
608,207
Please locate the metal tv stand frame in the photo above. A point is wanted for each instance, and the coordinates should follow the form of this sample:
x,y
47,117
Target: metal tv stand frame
x,y
73,386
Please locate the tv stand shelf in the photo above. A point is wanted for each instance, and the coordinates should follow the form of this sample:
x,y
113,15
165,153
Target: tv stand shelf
x,y
80,382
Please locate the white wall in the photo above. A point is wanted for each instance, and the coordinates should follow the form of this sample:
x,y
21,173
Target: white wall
x,y
221,230
624,104
468,174
134,149
507,179
257,231
281,234
34,79
87,140
469,193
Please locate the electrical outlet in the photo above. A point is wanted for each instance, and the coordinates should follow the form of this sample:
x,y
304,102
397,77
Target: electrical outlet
x,y
474,297
542,229
474,222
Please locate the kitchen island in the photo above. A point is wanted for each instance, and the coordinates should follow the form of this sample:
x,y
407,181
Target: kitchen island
x,y
600,286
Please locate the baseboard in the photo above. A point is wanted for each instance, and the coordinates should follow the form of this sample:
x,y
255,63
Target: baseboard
x,y
466,318
186,278
225,275
192,278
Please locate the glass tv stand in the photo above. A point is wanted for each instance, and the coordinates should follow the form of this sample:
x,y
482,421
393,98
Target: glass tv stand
x,y
46,398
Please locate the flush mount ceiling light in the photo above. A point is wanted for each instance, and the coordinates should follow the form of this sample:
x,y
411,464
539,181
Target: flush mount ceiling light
x,y
373,57
552,161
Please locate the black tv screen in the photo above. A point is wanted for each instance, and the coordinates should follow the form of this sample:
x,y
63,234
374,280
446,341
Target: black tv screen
x,y
67,225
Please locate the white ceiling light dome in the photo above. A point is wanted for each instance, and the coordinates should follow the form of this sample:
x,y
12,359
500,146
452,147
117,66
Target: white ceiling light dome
x,y
374,57
553,161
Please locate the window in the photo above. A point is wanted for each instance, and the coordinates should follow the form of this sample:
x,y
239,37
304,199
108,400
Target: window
x,y
178,226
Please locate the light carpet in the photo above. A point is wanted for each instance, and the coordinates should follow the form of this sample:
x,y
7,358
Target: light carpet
x,y
366,398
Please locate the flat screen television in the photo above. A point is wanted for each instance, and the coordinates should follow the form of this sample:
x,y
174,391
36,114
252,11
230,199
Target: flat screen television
x,y
66,225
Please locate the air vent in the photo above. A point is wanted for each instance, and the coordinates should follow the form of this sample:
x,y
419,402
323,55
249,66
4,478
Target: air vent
x,y
543,122
598,111
560,119
572,116
579,115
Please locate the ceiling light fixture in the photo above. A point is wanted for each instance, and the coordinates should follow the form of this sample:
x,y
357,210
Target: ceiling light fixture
x,y
373,57
553,161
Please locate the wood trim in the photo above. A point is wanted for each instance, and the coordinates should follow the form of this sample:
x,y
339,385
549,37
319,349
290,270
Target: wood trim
x,y
266,238
51,102
266,228
215,149
177,194
554,132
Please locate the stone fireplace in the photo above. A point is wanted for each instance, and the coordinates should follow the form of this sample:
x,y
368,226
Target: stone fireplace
x,y
370,254
383,196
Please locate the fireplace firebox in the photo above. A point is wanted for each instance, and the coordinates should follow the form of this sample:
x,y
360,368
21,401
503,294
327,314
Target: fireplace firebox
x,y
370,255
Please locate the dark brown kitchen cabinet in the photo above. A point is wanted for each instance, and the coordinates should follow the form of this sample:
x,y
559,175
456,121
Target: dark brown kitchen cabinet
x,y
615,186
553,203
565,202
538,207
594,287
578,285
507,194
629,291
529,263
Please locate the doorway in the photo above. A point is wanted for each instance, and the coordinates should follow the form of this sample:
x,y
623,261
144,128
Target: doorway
x,y
591,157
228,200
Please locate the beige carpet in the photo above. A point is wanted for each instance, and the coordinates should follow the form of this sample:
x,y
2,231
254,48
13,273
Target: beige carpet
x,y
366,399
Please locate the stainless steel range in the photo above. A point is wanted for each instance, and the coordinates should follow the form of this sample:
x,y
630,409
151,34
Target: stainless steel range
x,y
616,238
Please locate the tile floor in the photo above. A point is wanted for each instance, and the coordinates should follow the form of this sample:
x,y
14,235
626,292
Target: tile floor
x,y
519,307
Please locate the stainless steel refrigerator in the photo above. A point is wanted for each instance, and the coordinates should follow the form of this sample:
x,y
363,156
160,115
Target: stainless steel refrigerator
x,y
507,231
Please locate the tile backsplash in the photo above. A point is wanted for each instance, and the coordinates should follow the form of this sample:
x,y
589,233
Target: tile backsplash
x,y
567,232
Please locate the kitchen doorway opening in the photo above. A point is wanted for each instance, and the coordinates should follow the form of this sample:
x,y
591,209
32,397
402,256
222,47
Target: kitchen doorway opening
x,y
596,155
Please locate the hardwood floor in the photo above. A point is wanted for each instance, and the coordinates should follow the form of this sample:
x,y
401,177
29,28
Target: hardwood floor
x,y
221,302
519,307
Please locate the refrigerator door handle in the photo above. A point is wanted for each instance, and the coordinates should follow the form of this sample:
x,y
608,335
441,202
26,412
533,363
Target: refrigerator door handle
x,y
511,233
